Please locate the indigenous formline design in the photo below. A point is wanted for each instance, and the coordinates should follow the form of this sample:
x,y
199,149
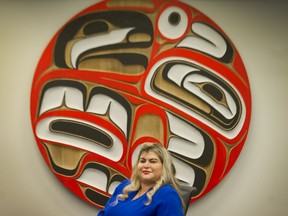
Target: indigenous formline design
x,y
121,73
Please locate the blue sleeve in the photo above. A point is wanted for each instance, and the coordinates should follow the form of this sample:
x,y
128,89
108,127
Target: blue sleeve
x,y
101,213
117,191
169,203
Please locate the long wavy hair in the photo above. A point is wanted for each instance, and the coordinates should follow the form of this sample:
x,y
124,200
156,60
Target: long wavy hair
x,y
167,177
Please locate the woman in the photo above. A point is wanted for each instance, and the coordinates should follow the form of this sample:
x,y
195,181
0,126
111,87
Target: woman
x,y
152,190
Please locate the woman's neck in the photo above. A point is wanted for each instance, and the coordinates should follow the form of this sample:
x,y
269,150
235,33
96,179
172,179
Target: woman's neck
x,y
144,189
146,186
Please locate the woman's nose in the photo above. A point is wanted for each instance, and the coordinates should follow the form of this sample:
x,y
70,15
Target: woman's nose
x,y
147,164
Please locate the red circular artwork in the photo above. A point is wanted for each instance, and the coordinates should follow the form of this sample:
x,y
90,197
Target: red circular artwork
x,y
119,74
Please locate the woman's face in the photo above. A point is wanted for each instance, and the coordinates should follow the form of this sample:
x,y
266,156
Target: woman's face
x,y
149,167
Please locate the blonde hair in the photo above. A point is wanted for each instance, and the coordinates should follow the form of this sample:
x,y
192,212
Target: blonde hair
x,y
167,177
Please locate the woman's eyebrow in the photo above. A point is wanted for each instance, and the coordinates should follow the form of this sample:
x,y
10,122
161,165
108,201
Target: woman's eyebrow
x,y
154,159
142,158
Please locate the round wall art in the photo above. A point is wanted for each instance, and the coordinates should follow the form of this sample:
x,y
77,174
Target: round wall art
x,y
121,73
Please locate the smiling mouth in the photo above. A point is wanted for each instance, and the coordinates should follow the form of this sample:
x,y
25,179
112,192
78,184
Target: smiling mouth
x,y
146,172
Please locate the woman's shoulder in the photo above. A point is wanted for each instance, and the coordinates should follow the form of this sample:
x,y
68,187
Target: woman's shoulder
x,y
168,200
167,189
121,185
124,183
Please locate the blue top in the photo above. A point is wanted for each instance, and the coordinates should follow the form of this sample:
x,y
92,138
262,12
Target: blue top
x,y
165,202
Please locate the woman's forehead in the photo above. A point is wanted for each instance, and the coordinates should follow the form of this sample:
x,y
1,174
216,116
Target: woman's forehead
x,y
149,155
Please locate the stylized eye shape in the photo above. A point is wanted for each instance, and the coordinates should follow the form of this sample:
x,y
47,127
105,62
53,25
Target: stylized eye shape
x,y
173,23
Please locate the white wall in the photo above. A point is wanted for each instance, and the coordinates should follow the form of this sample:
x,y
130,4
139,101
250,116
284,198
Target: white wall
x,y
256,185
